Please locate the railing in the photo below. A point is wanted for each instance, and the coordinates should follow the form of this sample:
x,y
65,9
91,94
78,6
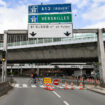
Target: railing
x,y
77,38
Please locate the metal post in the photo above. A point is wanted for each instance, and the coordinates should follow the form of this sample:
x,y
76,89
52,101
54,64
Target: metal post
x,y
101,56
4,64
11,70
95,78
21,71
38,70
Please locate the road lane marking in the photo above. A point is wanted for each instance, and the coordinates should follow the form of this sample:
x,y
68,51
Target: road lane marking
x,y
33,86
24,85
57,94
16,85
66,103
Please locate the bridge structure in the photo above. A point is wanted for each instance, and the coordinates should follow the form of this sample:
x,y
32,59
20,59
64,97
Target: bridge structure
x,y
82,47
86,45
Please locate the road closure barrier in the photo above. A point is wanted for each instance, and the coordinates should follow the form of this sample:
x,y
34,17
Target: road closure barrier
x,y
47,80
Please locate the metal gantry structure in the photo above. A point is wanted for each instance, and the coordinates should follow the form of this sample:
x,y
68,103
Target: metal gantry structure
x,y
100,45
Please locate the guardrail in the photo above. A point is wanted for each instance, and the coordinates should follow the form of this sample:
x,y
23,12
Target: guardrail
x,y
77,38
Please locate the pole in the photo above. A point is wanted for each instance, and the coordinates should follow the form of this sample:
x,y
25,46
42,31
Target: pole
x,y
38,71
11,70
4,63
101,56
21,71
95,77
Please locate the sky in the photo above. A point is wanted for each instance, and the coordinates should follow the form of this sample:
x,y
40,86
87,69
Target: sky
x,y
86,13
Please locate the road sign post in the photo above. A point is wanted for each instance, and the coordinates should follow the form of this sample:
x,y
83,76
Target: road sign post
x,y
4,63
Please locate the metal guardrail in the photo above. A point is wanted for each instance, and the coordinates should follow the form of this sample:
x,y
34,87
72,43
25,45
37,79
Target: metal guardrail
x,y
44,42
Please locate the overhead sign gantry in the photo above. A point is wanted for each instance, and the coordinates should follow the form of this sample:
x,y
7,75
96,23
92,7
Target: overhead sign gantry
x,y
50,21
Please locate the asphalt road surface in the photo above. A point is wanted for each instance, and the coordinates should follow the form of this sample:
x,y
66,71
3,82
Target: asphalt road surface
x,y
23,94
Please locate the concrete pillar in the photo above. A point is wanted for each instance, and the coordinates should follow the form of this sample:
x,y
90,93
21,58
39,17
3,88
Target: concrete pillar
x,y
4,64
101,56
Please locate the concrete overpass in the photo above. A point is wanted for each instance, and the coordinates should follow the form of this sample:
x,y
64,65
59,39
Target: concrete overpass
x,y
82,52
79,50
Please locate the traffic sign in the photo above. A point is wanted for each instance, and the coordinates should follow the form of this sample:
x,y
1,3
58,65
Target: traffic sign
x,y
51,8
47,80
56,81
50,18
49,30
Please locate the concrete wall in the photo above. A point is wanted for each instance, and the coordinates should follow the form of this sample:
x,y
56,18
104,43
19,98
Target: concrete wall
x,y
4,88
75,52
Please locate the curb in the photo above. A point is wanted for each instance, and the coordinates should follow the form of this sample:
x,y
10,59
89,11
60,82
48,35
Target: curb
x,y
96,91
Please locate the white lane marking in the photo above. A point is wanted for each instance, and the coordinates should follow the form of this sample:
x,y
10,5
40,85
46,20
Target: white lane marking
x,y
24,85
66,103
16,85
33,86
57,94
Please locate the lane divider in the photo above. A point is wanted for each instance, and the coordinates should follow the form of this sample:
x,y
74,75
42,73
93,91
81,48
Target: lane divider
x,y
57,94
66,103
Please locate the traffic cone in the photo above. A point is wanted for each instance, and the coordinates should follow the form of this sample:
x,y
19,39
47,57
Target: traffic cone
x,y
45,86
72,88
51,87
66,86
81,86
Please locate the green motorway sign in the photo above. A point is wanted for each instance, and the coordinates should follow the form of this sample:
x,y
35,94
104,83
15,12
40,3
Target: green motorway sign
x,y
50,18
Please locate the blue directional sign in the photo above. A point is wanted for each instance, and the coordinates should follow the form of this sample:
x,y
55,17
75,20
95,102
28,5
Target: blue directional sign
x,y
52,8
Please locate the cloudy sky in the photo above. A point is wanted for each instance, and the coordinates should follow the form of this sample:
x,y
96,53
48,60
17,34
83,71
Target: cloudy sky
x,y
86,13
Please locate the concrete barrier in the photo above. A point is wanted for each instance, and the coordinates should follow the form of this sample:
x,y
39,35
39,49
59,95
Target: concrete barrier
x,y
4,88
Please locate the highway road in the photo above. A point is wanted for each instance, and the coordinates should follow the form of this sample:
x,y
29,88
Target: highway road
x,y
23,94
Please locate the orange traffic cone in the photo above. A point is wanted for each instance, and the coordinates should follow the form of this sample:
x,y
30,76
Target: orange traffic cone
x,y
45,86
66,86
72,88
81,86
51,87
